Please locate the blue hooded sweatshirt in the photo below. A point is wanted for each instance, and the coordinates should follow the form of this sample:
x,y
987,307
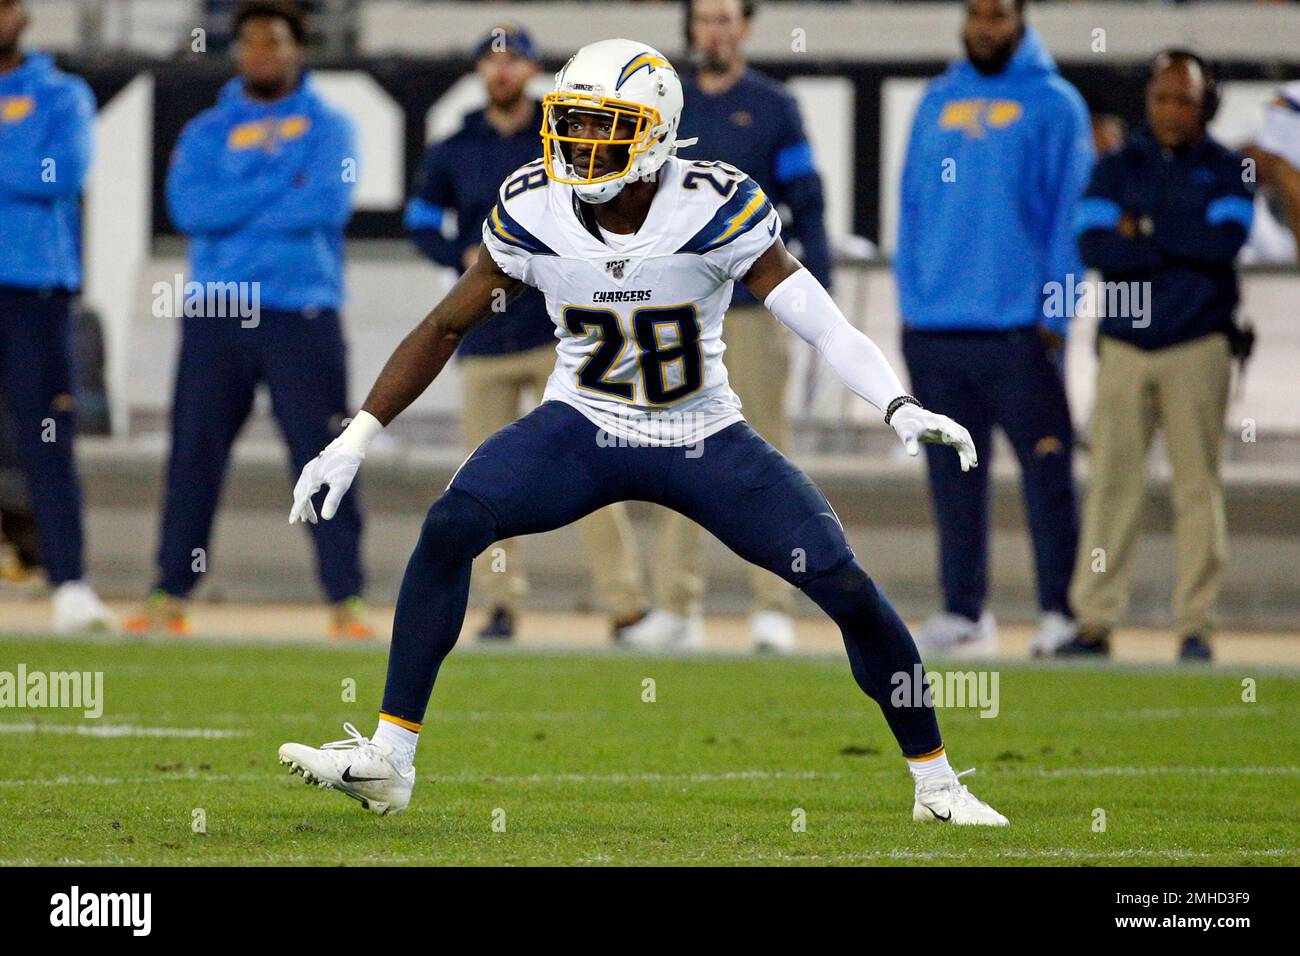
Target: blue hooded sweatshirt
x,y
46,127
264,191
994,168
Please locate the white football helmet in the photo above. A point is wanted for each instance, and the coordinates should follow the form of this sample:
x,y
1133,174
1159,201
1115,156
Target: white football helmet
x,y
635,90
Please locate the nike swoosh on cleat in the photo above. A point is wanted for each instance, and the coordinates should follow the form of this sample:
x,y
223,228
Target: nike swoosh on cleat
x,y
348,778
931,809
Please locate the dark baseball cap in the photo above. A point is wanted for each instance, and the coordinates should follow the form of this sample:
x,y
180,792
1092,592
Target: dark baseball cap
x,y
507,38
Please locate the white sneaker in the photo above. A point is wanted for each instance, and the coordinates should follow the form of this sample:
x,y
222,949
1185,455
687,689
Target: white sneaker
x,y
771,632
665,631
357,766
955,636
946,800
78,608
1054,629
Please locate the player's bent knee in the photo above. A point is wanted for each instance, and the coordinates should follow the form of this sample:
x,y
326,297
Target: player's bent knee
x,y
816,548
846,593
457,526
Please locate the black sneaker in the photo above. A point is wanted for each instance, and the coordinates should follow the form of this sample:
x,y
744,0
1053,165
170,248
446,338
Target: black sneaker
x,y
1195,648
500,626
1089,642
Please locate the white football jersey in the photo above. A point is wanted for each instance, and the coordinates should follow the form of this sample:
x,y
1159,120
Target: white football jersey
x,y
638,318
1281,131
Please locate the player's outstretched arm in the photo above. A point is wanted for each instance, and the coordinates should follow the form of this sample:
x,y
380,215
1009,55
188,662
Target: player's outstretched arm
x,y
798,300
482,291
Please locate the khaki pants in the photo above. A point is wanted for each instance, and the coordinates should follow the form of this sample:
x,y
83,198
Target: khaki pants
x,y
1183,390
758,362
493,386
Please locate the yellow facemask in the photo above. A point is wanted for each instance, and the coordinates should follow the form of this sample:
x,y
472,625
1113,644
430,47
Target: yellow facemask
x,y
556,105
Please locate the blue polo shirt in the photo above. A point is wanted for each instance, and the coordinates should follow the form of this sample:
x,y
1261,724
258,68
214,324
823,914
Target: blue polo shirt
x,y
756,127
463,174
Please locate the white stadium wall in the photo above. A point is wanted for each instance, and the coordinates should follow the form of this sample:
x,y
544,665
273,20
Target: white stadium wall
x,y
865,31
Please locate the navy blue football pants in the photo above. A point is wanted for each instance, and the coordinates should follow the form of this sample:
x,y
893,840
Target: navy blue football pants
x,y
550,468
303,361
37,384
1008,379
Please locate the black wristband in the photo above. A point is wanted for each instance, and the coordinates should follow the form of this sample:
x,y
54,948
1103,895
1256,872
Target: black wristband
x,y
898,403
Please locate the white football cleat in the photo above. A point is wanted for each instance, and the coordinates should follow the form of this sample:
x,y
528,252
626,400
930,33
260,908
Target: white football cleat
x,y
665,631
946,800
1054,629
78,608
357,766
952,635
772,632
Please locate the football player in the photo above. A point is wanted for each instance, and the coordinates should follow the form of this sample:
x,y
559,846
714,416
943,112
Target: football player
x,y
636,251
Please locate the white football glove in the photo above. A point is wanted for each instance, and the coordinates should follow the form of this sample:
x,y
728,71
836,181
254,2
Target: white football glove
x,y
336,466
915,425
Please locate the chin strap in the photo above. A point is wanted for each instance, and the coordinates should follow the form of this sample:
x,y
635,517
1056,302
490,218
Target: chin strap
x,y
682,144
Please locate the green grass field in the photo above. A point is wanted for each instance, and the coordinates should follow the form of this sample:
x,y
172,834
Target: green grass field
x,y
587,773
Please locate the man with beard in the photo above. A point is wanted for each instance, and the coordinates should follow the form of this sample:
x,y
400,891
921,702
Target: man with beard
x,y
262,185
46,124
1000,151
502,360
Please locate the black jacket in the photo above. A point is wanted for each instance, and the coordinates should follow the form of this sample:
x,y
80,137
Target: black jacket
x,y
1195,210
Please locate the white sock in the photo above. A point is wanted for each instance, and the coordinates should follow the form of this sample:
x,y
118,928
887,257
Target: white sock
x,y
402,741
930,769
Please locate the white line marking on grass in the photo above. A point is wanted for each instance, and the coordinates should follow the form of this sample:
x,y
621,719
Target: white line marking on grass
x,y
1179,713
642,777
1154,771
120,730
836,775
618,778
186,776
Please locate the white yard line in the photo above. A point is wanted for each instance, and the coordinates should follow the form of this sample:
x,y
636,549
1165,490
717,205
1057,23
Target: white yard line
x,y
120,730
186,776
1155,771
1178,713
272,774
644,777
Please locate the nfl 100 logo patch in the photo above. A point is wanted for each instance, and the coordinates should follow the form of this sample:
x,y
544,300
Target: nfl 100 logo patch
x,y
615,267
